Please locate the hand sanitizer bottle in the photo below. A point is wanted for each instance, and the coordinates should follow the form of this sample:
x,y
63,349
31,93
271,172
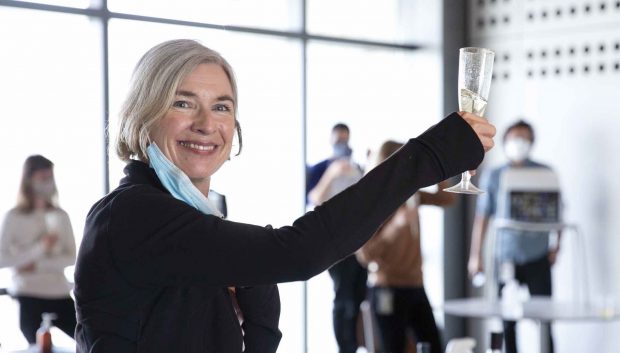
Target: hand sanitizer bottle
x,y
44,337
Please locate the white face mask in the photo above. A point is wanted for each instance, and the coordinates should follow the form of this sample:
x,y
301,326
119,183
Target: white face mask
x,y
44,189
517,149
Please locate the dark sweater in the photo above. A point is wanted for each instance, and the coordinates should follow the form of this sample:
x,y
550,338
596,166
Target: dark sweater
x,y
152,272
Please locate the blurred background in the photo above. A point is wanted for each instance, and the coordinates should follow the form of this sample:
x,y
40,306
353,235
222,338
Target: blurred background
x,y
386,68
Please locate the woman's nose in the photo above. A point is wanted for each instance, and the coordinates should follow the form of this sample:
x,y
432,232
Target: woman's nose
x,y
204,122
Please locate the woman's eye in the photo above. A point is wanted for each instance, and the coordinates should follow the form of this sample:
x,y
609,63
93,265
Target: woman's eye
x,y
223,108
181,104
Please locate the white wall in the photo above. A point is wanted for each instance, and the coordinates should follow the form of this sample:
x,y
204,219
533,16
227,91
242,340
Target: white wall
x,y
577,119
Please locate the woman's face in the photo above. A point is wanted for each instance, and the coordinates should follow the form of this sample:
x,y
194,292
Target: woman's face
x,y
197,131
42,183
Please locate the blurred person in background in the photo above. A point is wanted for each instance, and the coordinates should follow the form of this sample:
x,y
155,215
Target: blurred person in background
x,y
528,252
325,180
37,241
394,259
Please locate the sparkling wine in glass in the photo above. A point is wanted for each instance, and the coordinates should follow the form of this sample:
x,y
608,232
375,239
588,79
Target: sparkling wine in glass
x,y
475,71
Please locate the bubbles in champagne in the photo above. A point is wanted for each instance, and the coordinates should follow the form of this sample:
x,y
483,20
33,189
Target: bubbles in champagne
x,y
471,102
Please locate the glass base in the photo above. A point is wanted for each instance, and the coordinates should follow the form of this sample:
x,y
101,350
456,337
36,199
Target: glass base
x,y
465,187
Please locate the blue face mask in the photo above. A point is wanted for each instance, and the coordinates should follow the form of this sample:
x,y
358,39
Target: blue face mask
x,y
178,183
341,150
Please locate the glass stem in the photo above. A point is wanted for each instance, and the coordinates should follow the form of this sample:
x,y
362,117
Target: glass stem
x,y
466,177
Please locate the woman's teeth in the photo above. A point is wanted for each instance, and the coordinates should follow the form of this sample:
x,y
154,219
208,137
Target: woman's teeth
x,y
198,147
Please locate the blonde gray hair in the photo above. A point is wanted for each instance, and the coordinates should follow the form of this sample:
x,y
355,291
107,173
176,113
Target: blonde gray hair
x,y
153,87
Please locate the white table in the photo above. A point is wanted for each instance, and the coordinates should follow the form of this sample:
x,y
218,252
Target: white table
x,y
541,309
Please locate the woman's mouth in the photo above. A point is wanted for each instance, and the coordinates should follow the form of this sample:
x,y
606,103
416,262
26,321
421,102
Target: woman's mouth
x,y
197,146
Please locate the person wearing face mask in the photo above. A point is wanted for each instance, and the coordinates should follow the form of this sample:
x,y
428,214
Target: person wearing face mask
x,y
325,180
529,253
157,259
36,240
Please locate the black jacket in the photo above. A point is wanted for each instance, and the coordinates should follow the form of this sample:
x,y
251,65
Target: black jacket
x,y
152,272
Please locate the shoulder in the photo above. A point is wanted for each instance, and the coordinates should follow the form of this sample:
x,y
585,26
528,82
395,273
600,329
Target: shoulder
x,y
14,212
17,215
61,212
135,199
322,165
492,175
131,212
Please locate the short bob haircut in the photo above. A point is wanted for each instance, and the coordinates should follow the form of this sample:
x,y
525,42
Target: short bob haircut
x,y
154,84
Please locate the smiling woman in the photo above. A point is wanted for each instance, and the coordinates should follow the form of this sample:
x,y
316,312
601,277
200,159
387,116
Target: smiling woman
x,y
197,131
159,271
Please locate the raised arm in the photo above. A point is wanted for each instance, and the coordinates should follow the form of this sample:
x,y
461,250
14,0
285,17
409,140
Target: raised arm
x,y
175,245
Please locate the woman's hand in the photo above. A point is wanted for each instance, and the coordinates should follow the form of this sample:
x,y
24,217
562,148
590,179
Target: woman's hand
x,y
49,240
27,268
482,128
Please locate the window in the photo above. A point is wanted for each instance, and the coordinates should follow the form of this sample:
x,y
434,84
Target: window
x,y
267,14
393,21
380,94
51,104
80,4
57,89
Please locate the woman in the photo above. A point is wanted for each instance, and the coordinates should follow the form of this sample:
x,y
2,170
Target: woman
x,y
156,260
37,241
394,259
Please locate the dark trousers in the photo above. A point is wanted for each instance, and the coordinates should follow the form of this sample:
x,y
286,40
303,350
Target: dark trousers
x,y
398,310
349,279
537,276
30,310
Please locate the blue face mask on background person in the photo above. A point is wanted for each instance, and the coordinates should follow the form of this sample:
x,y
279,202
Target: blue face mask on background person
x,y
178,183
341,150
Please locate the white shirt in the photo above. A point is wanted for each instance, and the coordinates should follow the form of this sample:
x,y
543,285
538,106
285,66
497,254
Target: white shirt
x,y
21,244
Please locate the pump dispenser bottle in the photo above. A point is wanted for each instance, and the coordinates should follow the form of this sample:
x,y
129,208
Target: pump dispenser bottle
x,y
44,336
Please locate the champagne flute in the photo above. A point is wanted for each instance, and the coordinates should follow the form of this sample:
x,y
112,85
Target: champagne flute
x,y
475,71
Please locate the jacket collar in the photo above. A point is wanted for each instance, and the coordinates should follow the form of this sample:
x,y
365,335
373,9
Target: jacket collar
x,y
138,172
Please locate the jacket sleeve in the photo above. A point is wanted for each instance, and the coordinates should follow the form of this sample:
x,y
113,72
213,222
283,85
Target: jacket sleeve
x,y
156,240
260,306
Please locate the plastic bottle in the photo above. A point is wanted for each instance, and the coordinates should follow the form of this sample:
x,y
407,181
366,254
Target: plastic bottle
x,y
496,342
44,336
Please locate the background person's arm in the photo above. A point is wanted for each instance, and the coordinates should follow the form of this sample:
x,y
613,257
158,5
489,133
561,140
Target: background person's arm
x,y
476,263
22,257
322,191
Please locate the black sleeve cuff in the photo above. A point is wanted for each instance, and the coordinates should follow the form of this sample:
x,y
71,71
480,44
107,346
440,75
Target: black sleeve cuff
x,y
454,144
